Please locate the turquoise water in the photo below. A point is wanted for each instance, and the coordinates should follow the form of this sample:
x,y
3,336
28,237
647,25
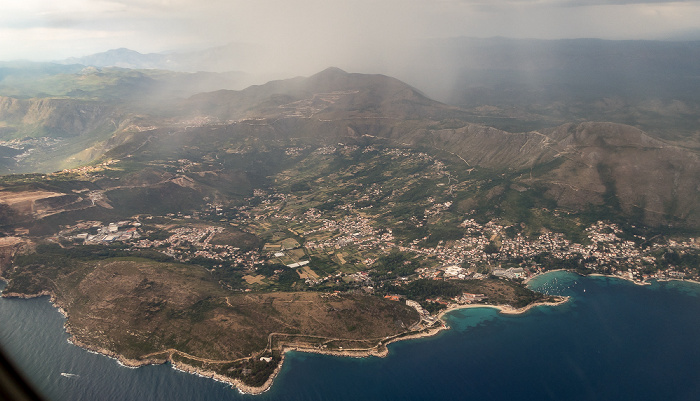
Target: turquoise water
x,y
613,341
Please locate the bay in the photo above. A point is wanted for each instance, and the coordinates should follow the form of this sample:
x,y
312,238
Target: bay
x,y
613,340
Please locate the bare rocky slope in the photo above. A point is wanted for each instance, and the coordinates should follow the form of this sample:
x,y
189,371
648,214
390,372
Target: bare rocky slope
x,y
625,167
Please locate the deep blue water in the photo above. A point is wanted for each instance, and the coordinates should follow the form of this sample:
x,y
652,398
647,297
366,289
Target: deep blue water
x,y
613,341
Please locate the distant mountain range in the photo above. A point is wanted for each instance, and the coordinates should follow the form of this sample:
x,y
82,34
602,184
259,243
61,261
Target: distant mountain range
x,y
507,83
124,58
576,164
456,54
581,121
231,57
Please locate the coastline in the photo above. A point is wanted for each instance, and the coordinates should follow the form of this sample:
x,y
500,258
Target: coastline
x,y
414,359
504,309
636,282
52,299
663,280
527,280
379,350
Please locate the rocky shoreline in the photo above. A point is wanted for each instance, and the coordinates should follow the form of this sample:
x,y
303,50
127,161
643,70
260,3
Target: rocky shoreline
x,y
380,350
44,293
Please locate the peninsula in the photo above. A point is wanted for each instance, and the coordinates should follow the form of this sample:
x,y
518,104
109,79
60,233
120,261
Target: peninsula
x,y
142,312
332,214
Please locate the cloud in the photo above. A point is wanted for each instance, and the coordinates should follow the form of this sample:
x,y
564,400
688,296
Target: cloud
x,y
313,26
567,3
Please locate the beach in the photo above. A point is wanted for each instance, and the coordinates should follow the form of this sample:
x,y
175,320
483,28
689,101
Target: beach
x,y
379,350
460,352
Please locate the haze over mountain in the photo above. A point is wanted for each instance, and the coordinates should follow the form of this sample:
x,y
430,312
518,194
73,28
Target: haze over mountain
x,y
575,165
201,190
231,57
512,84
235,179
437,64
502,104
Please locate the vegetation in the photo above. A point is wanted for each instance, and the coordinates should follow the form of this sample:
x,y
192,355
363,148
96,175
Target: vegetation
x,y
230,214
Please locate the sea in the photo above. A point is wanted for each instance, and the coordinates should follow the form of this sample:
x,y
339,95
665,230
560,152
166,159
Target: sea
x,y
613,340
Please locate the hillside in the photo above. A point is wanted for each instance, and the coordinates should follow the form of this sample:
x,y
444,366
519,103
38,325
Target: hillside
x,y
581,165
330,94
511,84
626,169
54,117
578,166
47,117
335,214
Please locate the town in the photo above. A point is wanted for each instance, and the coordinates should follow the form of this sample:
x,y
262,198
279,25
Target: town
x,y
335,234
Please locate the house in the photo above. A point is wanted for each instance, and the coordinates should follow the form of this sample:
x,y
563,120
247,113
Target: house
x,y
512,273
453,271
298,264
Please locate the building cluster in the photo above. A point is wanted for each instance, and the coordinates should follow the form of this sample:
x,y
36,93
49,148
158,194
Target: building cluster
x,y
510,273
186,243
96,233
184,237
468,298
91,168
295,151
30,145
353,230
436,208
606,252
424,314
490,248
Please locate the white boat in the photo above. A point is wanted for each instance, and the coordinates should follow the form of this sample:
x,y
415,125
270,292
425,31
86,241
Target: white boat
x,y
64,374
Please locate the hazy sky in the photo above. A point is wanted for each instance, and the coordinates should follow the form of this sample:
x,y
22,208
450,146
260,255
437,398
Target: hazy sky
x,y
49,29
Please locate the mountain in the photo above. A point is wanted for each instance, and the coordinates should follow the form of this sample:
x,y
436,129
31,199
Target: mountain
x,y
230,57
330,94
54,117
625,168
455,54
521,85
602,167
217,229
584,164
511,84
124,58
577,165
60,115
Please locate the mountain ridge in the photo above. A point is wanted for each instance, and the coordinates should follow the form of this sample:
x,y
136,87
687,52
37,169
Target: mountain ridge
x,y
579,165
362,93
